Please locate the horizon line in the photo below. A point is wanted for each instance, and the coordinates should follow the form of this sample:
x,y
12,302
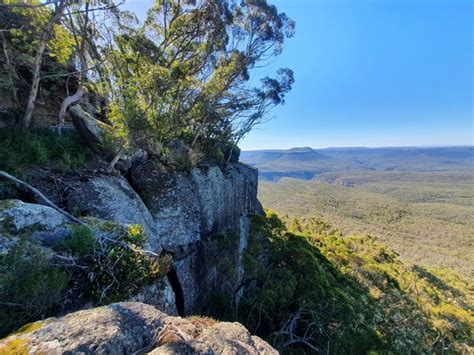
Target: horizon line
x,y
365,147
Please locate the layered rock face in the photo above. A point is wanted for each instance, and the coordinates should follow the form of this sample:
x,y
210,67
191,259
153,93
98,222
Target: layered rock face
x,y
130,328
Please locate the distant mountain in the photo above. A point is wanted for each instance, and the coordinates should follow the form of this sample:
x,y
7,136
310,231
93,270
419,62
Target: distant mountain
x,y
306,163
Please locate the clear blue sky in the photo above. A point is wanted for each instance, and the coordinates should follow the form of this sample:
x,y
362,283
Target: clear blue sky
x,y
373,73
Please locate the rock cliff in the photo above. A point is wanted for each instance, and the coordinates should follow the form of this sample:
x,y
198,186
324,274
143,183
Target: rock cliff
x,y
194,213
199,217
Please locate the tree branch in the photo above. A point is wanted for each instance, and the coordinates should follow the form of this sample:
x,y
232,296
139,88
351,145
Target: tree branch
x,y
42,197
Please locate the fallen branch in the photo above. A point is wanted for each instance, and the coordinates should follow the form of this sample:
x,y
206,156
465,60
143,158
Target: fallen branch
x,y
42,197
49,203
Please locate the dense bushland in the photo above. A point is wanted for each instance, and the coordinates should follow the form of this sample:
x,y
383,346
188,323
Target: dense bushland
x,y
425,217
311,289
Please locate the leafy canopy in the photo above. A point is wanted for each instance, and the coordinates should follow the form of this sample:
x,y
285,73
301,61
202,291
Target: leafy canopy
x,y
186,71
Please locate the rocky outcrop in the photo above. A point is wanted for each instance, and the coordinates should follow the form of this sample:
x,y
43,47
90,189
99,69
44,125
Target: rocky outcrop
x,y
127,328
34,222
17,217
185,213
159,294
47,228
193,211
111,198
200,217
89,128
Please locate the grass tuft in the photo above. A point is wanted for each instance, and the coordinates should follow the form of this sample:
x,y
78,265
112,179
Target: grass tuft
x,y
39,148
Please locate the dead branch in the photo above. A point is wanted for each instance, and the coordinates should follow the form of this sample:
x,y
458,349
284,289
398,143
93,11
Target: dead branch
x,y
49,203
42,197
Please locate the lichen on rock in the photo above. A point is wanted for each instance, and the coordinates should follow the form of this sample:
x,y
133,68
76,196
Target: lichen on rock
x,y
126,328
19,217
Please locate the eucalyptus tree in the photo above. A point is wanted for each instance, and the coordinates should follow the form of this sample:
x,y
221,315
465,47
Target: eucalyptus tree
x,y
54,18
187,70
32,30
27,29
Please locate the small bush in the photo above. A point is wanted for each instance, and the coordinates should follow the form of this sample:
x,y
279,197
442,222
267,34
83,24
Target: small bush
x,y
113,270
29,286
80,243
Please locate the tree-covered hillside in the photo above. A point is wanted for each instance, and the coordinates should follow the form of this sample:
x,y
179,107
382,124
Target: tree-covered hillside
x,y
314,291
426,217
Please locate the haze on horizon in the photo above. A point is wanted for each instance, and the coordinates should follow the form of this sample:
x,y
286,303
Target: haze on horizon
x,y
361,147
373,74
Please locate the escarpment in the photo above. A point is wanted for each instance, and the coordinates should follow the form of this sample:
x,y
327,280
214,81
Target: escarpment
x,y
196,220
201,218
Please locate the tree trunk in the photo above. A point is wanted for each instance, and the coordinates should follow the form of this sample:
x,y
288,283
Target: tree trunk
x,y
12,74
45,35
198,132
69,100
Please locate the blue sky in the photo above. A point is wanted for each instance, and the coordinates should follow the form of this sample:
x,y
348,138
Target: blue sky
x,y
372,73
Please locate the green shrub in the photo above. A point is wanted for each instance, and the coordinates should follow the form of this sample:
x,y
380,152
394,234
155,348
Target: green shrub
x,y
29,286
348,295
81,242
112,270
85,267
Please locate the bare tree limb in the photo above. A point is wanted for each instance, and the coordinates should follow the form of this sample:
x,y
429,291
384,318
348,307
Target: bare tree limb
x,y
42,197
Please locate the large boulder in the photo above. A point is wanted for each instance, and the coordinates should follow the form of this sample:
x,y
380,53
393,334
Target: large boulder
x,y
112,198
19,217
35,222
126,328
159,294
122,328
206,336
93,131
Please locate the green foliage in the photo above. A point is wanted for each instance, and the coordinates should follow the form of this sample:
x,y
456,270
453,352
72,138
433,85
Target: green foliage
x,y
29,286
20,41
228,241
88,266
185,71
81,242
114,269
319,291
183,160
40,148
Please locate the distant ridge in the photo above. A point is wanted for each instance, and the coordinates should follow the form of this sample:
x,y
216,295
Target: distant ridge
x,y
306,162
300,150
